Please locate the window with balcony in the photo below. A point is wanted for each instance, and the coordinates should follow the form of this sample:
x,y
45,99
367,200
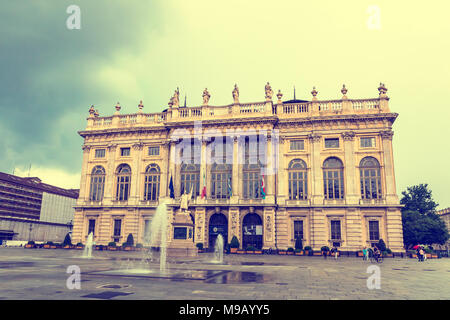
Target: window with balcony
x,y
298,182
123,182
333,178
97,184
152,182
370,176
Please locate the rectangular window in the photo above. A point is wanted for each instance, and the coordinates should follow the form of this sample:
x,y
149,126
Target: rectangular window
x,y
91,227
99,153
374,230
124,152
297,145
335,229
153,151
332,143
298,230
180,233
368,142
117,228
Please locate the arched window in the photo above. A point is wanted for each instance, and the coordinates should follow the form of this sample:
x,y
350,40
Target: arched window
x,y
333,179
221,181
252,231
190,177
370,176
123,174
152,179
298,186
252,180
97,184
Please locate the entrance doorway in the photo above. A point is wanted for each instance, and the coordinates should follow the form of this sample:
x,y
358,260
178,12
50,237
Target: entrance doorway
x,y
218,224
252,231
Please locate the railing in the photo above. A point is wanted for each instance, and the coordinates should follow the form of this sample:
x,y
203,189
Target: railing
x,y
303,109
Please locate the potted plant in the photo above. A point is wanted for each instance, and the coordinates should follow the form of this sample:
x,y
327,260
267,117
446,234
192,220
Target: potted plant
x,y
100,247
325,251
48,245
283,252
250,249
67,243
290,251
308,251
129,244
79,246
298,244
200,247
112,246
388,253
298,252
30,244
234,244
258,251
139,246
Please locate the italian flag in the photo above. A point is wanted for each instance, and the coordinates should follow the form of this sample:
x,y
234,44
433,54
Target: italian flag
x,y
204,187
263,188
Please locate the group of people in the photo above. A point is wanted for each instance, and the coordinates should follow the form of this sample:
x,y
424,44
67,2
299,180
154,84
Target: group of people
x,y
421,255
334,252
375,253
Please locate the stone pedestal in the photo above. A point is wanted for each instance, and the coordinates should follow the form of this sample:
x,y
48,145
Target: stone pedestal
x,y
182,231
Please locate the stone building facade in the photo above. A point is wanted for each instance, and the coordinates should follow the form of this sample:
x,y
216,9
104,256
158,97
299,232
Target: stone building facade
x,y
268,172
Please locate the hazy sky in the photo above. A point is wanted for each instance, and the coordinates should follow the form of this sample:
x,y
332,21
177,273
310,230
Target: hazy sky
x,y
131,50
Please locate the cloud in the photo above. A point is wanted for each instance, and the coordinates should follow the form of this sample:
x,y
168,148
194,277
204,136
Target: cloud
x,y
56,177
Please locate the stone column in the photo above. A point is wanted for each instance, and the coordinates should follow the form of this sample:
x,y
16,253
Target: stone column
x,y
205,169
136,174
199,228
165,177
269,228
235,165
351,184
281,229
270,172
85,174
354,232
171,174
316,170
318,229
394,230
109,194
391,194
282,178
234,224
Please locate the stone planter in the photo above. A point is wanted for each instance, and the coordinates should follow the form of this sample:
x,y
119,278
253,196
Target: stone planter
x,y
317,253
30,246
233,250
249,252
241,252
47,246
67,247
298,253
258,251
79,248
360,254
112,248
282,252
290,253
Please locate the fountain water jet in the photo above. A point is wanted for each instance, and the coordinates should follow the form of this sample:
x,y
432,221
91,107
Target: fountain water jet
x,y
158,234
87,253
218,249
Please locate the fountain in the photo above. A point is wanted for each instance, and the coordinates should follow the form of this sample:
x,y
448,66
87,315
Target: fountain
x,y
87,253
158,234
218,249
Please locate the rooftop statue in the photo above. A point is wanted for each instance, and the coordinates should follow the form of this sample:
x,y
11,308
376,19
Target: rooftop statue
x,y
236,94
206,96
269,92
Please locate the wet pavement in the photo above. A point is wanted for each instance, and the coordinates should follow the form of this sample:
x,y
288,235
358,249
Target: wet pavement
x,y
42,274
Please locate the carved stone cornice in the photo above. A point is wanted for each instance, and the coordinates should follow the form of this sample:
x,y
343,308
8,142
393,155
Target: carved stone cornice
x,y
86,148
387,134
112,147
348,136
314,137
138,146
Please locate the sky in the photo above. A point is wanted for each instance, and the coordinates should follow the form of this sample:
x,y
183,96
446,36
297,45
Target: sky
x,y
127,51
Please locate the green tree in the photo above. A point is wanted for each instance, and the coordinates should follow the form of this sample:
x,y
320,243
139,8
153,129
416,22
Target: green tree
x,y
418,198
130,240
423,229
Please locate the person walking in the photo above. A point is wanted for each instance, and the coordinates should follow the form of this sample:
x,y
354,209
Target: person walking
x,y
365,254
421,252
336,253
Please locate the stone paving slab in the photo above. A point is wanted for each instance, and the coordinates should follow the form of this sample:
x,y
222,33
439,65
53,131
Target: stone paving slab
x,y
41,274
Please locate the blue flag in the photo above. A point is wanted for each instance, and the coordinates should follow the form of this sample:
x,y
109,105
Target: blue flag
x,y
172,192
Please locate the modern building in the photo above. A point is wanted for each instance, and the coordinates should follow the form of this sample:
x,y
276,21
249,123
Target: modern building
x,y
266,172
33,210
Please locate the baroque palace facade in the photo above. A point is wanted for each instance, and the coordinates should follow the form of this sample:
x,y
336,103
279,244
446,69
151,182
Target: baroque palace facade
x,y
267,172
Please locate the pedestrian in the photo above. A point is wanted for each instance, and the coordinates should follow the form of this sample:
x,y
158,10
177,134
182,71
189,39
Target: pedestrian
x,y
335,253
365,254
422,253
